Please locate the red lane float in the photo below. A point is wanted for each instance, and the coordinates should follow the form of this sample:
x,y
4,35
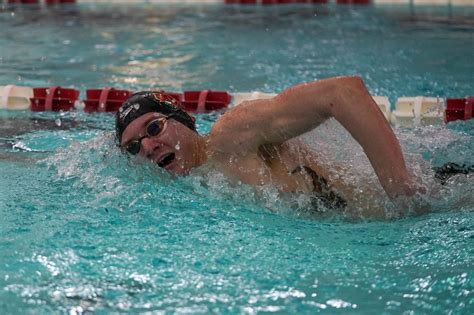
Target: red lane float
x,y
241,1
54,98
51,2
353,1
205,100
47,2
23,1
202,101
291,1
105,100
459,109
276,1
108,99
273,1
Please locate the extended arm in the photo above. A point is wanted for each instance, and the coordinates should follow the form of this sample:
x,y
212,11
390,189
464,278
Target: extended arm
x,y
301,108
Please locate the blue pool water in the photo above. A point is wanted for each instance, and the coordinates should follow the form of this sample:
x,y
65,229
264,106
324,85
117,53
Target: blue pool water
x,y
83,229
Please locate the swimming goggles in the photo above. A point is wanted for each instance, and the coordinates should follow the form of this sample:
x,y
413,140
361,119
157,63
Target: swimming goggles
x,y
152,129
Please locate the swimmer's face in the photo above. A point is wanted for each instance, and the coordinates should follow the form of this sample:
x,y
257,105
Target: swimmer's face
x,y
161,140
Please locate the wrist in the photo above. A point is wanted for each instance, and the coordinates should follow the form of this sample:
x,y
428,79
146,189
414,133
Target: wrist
x,y
400,185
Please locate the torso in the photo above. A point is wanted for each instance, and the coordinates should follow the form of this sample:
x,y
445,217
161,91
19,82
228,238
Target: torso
x,y
289,167
271,165
282,166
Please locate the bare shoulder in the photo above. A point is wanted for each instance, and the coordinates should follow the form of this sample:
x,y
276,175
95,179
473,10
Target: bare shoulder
x,y
237,129
240,116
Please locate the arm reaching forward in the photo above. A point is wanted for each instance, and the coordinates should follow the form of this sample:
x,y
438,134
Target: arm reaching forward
x,y
302,108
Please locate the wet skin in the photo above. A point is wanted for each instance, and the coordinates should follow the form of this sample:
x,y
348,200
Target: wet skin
x,y
249,143
269,165
176,143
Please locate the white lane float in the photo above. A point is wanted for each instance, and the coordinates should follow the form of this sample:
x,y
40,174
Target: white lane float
x,y
384,104
240,97
409,111
15,97
418,111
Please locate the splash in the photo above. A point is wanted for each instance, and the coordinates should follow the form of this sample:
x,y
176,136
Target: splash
x,y
121,182
424,148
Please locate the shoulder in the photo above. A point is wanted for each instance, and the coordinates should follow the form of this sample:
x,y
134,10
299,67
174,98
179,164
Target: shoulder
x,y
237,129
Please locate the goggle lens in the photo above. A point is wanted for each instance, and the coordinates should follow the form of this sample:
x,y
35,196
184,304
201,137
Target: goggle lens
x,y
153,129
133,147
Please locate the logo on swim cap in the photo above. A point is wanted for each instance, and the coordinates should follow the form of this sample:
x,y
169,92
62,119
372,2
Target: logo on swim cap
x,y
145,102
162,97
124,112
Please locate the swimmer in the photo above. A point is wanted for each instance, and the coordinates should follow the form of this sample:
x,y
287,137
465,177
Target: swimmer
x,y
250,142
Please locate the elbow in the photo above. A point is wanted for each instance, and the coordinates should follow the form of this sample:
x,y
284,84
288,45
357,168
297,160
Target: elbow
x,y
353,81
350,87
347,90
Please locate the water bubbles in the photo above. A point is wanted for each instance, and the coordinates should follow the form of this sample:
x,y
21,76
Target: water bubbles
x,y
233,159
21,146
76,310
338,303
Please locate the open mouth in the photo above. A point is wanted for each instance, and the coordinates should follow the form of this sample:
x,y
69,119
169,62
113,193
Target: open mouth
x,y
166,160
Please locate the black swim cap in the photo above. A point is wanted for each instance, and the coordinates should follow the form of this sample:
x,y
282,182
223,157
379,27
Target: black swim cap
x,y
145,102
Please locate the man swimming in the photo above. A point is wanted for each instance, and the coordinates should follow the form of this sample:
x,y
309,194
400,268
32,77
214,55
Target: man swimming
x,y
249,143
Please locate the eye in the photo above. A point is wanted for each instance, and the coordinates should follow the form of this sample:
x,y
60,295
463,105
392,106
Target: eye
x,y
155,127
133,147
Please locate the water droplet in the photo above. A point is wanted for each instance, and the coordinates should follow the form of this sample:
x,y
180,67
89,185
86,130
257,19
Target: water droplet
x,y
177,147
58,122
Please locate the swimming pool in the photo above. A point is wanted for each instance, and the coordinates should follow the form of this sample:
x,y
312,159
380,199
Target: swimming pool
x,y
83,229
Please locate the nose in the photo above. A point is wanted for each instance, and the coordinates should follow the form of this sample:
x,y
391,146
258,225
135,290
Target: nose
x,y
147,146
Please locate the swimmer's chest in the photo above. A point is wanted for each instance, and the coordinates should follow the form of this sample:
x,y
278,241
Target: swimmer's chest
x,y
270,167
